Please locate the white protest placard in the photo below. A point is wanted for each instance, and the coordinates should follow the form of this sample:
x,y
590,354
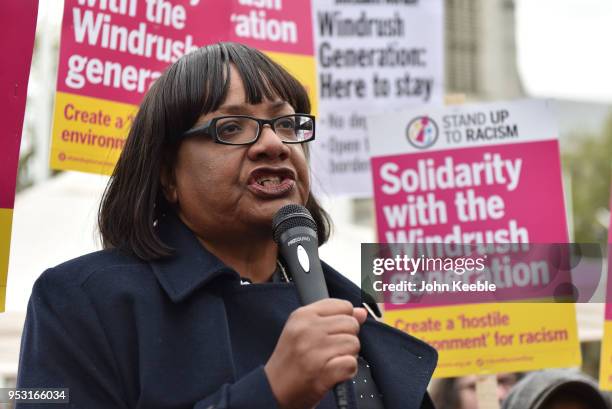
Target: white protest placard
x,y
372,58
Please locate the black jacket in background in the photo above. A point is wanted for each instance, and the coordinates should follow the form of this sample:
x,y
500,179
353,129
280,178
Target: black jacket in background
x,y
123,333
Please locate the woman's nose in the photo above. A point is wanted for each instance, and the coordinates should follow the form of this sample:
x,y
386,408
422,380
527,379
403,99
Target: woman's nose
x,y
269,145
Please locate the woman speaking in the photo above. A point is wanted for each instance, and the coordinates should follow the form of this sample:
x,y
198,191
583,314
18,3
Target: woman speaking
x,y
189,304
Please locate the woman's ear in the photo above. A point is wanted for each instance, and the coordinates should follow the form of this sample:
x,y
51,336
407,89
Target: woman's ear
x,y
168,182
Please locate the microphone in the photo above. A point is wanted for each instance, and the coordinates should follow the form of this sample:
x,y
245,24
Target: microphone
x,y
295,232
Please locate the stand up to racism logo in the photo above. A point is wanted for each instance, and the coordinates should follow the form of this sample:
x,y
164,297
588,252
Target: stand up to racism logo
x,y
422,132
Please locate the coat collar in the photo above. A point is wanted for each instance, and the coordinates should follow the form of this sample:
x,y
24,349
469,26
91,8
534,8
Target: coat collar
x,y
191,265
402,364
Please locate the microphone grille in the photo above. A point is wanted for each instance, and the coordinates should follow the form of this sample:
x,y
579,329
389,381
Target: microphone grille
x,y
290,216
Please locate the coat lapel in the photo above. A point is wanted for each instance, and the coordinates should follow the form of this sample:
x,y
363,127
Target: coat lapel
x,y
401,364
191,266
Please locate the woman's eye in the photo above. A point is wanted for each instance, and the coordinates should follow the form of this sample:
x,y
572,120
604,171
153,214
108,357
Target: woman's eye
x,y
287,123
229,129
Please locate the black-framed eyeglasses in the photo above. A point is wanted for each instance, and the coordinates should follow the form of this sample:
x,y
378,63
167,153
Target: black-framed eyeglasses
x,y
246,130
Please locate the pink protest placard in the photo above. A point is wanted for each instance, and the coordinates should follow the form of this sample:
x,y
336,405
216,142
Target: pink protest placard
x,y
609,286
470,175
111,53
473,174
491,200
18,21
482,184
114,50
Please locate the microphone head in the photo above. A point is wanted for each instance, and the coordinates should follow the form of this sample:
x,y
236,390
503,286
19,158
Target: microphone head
x,y
289,216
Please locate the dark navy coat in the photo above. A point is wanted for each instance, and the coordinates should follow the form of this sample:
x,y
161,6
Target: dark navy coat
x,y
123,333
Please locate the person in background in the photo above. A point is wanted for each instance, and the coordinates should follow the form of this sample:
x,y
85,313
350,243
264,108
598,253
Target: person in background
x,y
556,389
460,393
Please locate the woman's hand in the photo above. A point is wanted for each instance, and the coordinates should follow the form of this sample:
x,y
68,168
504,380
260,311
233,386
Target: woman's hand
x,y
317,349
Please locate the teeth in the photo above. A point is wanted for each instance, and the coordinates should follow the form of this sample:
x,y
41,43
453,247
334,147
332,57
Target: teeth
x,y
269,180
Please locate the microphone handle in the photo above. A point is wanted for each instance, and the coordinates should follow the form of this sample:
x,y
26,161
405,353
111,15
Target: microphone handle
x,y
300,251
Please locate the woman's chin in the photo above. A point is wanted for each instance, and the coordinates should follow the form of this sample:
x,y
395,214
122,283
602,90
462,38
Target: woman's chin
x,y
268,209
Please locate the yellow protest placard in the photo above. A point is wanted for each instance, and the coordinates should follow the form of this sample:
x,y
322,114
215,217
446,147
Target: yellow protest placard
x,y
6,220
605,369
89,133
605,372
101,81
493,338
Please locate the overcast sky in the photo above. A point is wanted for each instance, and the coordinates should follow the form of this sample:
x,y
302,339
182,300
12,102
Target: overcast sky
x,y
564,48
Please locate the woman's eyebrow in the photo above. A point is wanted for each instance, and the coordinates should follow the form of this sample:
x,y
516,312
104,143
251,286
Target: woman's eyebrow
x,y
278,106
245,109
234,109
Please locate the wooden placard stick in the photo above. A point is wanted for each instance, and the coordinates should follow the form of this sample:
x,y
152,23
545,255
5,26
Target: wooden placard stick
x,y
454,99
486,392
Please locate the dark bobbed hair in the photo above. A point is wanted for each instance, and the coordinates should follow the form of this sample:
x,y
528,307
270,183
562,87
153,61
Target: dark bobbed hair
x,y
193,86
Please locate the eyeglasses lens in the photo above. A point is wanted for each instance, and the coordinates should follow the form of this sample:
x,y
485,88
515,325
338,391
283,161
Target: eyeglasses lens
x,y
239,130
294,128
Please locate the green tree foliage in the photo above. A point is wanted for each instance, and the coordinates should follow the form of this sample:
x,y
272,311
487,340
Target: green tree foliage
x,y
588,161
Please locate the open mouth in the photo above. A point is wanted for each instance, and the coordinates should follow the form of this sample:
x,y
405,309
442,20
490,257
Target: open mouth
x,y
271,182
